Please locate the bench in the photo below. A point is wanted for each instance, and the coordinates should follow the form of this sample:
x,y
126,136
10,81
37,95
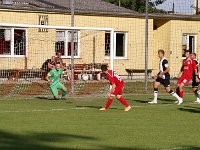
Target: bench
x,y
91,69
132,71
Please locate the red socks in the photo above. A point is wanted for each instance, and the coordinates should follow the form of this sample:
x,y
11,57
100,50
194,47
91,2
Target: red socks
x,y
123,101
177,91
109,102
181,94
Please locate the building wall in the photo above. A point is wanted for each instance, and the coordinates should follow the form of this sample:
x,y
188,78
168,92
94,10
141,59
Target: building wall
x,y
178,28
168,37
41,45
161,36
135,29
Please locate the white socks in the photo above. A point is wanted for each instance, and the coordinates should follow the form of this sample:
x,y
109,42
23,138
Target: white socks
x,y
155,94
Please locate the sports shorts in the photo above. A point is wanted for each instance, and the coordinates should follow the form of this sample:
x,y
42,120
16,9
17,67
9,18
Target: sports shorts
x,y
118,90
164,82
184,79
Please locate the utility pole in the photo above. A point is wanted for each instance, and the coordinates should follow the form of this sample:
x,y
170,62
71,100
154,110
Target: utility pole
x,y
197,7
146,46
119,3
72,3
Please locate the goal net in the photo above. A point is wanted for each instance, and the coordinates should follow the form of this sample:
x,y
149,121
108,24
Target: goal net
x,y
34,33
29,52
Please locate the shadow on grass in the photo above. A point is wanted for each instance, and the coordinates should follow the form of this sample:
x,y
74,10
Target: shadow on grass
x,y
51,99
39,141
160,101
95,107
190,109
57,141
166,100
140,101
44,98
126,148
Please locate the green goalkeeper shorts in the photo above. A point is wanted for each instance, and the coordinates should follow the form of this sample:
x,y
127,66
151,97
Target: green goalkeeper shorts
x,y
54,88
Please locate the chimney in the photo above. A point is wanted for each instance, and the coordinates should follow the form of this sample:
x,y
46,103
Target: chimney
x,y
7,2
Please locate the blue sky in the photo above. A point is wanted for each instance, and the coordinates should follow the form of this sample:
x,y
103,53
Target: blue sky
x,y
181,6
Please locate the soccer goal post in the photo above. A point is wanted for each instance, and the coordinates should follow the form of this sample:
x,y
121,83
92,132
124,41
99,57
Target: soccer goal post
x,y
26,51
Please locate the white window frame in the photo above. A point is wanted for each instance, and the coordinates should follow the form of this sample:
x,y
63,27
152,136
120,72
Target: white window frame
x,y
12,45
125,47
66,45
195,40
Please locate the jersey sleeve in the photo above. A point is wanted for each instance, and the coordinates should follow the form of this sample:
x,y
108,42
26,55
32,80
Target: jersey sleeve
x,y
50,73
194,66
111,79
165,63
61,71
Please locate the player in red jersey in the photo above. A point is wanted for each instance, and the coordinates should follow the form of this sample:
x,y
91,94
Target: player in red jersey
x,y
187,71
116,90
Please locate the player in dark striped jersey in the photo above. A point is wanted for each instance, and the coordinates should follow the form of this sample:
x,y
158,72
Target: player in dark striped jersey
x,y
195,84
163,77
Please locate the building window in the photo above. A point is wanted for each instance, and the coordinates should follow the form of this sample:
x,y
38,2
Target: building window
x,y
189,43
5,41
120,40
107,44
43,20
12,42
19,42
120,45
63,43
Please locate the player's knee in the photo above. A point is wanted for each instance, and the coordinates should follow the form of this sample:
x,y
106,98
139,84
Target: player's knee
x,y
109,96
195,90
169,91
64,88
118,96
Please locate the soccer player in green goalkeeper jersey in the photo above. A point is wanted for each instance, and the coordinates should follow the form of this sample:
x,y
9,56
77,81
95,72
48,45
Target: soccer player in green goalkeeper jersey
x,y
53,77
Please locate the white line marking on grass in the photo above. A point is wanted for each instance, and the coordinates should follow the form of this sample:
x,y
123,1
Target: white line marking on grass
x,y
23,111
84,108
79,108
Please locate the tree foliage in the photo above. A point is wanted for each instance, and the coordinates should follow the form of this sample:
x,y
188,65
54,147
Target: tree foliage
x,y
139,5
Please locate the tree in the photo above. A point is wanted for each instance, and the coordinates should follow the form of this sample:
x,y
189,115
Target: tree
x,y
139,5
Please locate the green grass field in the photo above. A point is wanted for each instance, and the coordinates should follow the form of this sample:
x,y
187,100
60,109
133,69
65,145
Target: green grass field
x,y
77,124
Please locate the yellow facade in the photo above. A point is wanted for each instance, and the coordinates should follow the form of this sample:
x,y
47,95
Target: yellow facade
x,y
163,34
168,36
41,45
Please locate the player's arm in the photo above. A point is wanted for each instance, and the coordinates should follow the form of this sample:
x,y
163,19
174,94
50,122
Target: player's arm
x,y
165,63
48,77
198,70
181,71
68,74
113,86
112,89
164,72
195,71
50,66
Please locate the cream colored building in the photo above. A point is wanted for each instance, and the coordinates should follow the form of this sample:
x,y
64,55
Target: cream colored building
x,y
29,48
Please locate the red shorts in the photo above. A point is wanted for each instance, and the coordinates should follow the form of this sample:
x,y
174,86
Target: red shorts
x,y
118,90
184,79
